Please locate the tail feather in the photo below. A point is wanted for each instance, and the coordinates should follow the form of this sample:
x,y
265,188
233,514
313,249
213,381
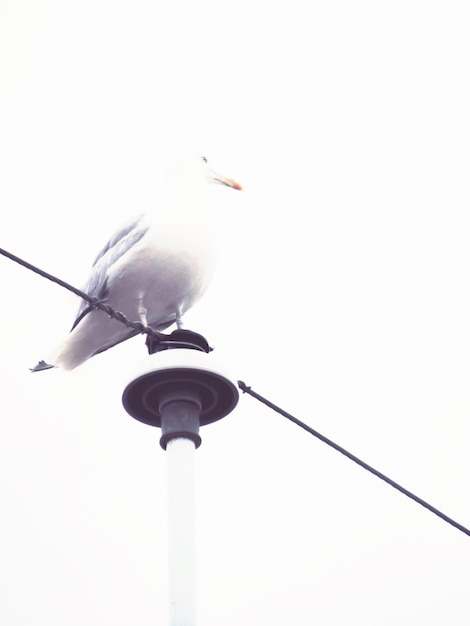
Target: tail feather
x,y
42,365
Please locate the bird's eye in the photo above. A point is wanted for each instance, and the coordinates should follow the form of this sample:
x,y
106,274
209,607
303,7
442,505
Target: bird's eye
x,y
204,159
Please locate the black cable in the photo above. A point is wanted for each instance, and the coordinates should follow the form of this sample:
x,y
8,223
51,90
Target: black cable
x,y
354,458
94,302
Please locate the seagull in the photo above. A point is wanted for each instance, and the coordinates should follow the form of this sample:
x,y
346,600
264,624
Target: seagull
x,y
154,268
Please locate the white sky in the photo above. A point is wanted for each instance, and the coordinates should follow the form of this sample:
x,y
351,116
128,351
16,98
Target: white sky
x,y
342,294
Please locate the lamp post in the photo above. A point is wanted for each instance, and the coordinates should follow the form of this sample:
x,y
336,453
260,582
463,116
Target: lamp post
x,y
178,390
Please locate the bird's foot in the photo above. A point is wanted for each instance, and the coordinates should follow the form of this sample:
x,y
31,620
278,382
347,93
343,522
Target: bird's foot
x,y
142,311
179,320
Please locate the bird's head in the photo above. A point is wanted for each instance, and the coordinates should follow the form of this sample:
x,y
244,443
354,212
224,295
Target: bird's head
x,y
187,171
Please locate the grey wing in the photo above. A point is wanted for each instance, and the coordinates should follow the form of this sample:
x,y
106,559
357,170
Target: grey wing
x,y
126,237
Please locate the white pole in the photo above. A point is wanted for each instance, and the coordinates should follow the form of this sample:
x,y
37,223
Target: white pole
x,y
181,531
179,396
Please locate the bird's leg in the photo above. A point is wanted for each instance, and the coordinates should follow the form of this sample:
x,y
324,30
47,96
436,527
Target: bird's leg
x,y
142,312
179,320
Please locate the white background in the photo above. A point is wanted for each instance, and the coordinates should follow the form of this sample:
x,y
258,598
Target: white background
x,y
342,294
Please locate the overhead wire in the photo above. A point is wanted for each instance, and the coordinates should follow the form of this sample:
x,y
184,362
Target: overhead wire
x,y
99,304
96,303
246,389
